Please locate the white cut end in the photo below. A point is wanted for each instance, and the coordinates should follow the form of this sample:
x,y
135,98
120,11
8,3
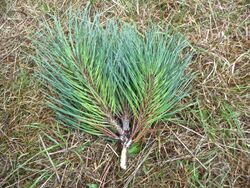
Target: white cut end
x,y
123,163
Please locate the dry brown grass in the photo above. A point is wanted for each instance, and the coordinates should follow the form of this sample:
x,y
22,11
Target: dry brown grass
x,y
207,145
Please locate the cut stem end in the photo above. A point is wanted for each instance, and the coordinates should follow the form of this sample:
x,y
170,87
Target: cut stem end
x,y
124,153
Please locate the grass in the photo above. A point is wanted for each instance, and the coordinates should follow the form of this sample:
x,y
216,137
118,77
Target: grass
x,y
206,145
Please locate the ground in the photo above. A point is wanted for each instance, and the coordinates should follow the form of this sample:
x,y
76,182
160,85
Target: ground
x,y
206,145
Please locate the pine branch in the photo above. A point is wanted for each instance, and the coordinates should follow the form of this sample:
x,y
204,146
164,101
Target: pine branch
x,y
111,80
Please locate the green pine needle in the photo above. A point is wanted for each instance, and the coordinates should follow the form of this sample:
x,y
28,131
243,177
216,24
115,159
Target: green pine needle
x,y
100,77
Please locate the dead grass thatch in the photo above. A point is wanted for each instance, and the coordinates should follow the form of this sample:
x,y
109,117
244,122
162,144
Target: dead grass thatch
x,y
207,145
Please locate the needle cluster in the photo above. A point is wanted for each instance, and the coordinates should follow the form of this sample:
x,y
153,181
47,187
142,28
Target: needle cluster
x,y
111,80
